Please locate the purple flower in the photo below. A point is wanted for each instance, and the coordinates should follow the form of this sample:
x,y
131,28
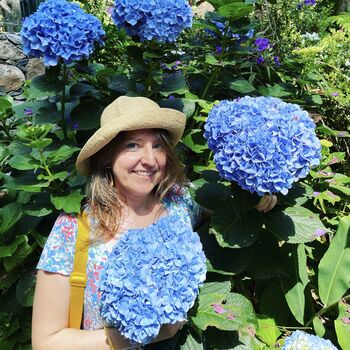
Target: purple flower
x,y
335,94
218,49
277,60
260,60
262,43
299,6
310,2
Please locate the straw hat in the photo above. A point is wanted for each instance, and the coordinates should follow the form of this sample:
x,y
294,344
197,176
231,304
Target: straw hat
x,y
130,113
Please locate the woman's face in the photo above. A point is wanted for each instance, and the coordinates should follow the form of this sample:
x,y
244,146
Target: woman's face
x,y
139,164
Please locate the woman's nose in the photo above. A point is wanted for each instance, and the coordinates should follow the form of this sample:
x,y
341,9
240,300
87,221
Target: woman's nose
x,y
148,156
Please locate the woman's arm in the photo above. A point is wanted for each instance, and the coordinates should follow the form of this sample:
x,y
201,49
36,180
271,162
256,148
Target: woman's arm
x,y
50,319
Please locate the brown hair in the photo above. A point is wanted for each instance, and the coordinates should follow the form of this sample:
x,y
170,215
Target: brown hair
x,y
106,202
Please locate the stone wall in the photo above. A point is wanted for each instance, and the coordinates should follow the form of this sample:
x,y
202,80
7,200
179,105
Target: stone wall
x,y
15,67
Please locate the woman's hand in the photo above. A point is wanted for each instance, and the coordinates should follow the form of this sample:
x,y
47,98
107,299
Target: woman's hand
x,y
266,203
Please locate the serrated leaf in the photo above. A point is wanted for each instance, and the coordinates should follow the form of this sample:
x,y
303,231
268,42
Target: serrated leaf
x,y
234,224
191,343
26,184
61,154
8,250
295,224
41,86
294,283
230,313
333,275
70,203
235,11
216,287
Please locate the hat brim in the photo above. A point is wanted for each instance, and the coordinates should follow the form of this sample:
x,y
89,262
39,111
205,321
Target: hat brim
x,y
165,118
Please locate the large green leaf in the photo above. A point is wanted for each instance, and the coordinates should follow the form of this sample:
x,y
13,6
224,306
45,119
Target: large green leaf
x,y
22,251
191,343
23,163
295,282
342,325
236,224
41,86
235,10
172,83
241,85
70,203
333,274
195,141
268,330
183,105
9,215
295,224
86,115
61,154
26,183
25,289
224,311
218,3
8,250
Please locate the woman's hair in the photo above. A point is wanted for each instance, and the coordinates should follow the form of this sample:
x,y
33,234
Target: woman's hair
x,y
106,202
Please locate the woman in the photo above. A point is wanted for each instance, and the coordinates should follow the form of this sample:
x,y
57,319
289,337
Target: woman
x,y
135,179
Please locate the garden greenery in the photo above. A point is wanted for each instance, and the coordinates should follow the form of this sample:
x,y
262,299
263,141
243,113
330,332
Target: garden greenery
x,y
268,273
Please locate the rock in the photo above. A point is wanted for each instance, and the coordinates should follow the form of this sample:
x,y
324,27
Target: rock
x,y
11,78
9,51
14,38
203,8
35,67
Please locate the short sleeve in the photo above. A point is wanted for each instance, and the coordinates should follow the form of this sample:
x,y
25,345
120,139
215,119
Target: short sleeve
x,y
58,252
182,198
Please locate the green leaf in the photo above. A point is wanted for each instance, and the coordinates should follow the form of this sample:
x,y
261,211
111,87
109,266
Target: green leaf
x,y
9,215
25,183
22,251
172,83
235,11
295,282
23,163
41,86
120,84
191,343
314,100
25,289
319,327
9,249
195,141
5,108
23,110
183,105
295,224
241,85
229,312
342,325
81,89
276,91
61,154
218,3
333,274
236,223
216,287
42,143
86,115
268,330
70,203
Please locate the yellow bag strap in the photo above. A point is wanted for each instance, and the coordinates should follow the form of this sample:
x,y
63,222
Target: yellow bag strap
x,y
78,277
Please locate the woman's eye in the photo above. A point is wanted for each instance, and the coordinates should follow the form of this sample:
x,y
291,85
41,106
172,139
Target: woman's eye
x,y
158,146
131,145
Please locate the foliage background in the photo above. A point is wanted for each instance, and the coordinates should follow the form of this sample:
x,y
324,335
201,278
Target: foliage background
x,y
268,273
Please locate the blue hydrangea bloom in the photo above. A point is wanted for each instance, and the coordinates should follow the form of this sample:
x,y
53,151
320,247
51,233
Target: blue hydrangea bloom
x,y
304,341
262,143
152,278
60,30
161,20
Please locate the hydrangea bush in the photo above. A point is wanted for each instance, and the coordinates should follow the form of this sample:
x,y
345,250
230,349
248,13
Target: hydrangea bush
x,y
304,341
152,278
262,143
161,20
61,30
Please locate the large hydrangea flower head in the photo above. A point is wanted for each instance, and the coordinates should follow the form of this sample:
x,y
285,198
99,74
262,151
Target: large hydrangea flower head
x,y
303,341
262,143
152,277
159,20
60,30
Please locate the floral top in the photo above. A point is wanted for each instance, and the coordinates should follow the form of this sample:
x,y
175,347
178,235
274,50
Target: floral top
x,y
58,253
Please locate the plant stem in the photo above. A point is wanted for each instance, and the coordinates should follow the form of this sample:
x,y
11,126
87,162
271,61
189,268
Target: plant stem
x,y
63,100
45,166
325,310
